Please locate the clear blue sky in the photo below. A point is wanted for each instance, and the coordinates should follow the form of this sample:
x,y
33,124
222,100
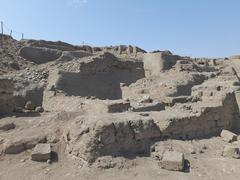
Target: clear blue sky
x,y
208,28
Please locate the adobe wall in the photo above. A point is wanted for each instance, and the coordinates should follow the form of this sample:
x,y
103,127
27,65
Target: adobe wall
x,y
100,77
6,96
156,62
39,55
130,133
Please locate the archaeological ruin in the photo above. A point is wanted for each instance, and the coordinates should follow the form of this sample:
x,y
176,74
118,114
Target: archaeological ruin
x,y
90,103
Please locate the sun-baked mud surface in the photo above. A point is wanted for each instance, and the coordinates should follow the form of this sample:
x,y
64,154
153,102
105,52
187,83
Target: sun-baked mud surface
x,y
119,112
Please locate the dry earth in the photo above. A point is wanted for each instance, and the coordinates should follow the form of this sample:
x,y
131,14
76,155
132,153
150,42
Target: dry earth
x,y
116,112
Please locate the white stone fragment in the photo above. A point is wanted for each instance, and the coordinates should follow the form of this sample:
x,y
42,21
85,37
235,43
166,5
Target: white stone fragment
x,y
172,160
228,136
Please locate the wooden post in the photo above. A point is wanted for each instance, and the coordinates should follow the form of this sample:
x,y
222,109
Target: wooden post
x,y
22,35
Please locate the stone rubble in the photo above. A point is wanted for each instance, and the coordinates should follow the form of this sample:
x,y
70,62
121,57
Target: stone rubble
x,y
100,104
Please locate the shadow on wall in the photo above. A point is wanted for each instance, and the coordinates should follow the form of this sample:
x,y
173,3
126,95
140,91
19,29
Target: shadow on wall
x,y
102,85
33,93
39,55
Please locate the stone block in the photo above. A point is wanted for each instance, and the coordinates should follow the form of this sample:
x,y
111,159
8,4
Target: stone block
x,y
228,136
172,160
232,152
41,152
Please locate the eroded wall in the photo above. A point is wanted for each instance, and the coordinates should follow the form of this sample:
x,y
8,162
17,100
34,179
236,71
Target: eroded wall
x,y
6,96
101,78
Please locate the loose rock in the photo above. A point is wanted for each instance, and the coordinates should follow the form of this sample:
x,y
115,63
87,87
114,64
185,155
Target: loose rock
x,y
172,160
39,109
29,106
41,152
228,136
232,152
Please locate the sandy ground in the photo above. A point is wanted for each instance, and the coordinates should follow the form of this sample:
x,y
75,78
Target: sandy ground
x,y
205,163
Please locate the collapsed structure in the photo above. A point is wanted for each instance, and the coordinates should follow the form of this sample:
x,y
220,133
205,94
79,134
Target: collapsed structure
x,y
119,100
